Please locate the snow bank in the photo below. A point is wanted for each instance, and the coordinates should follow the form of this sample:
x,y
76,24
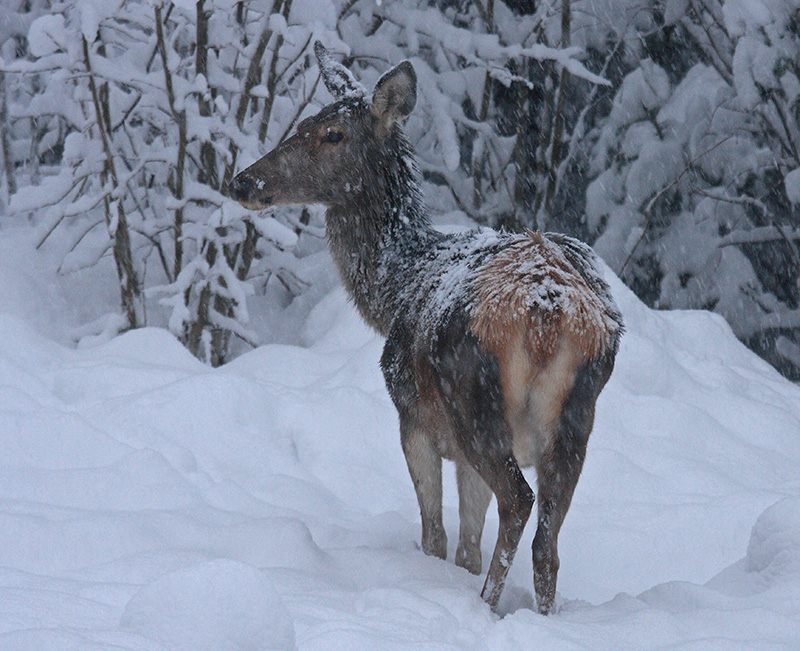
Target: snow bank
x,y
774,549
215,605
150,502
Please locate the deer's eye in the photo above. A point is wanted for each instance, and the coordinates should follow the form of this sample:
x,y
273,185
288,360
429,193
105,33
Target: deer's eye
x,y
334,136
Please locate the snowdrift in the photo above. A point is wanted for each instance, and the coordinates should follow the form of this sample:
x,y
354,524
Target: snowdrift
x,y
150,502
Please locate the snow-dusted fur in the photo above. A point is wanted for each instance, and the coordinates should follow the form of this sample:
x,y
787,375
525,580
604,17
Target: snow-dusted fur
x,y
497,344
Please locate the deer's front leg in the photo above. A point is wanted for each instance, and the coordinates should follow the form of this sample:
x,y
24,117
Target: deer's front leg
x,y
425,467
424,462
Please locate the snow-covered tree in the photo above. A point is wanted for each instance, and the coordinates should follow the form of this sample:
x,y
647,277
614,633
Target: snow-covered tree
x,y
121,124
156,103
22,141
695,196
485,74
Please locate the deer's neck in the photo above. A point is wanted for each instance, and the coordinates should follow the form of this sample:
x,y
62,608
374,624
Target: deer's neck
x,y
376,237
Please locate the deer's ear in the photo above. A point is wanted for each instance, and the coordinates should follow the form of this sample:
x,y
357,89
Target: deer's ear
x,y
395,96
339,81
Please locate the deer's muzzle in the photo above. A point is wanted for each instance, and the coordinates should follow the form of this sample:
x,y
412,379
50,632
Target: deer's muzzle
x,y
243,189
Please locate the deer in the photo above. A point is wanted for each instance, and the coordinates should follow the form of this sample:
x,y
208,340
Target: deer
x,y
497,344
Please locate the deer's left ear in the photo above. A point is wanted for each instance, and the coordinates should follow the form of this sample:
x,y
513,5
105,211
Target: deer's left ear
x,y
395,96
339,81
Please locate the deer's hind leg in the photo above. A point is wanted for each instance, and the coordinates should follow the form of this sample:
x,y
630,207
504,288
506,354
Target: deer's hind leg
x,y
469,382
558,469
473,500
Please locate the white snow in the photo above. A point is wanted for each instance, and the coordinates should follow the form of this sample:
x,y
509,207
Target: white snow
x,y
93,12
44,35
792,182
218,604
743,15
150,502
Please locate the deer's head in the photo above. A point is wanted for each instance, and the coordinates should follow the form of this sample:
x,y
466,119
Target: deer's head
x,y
336,152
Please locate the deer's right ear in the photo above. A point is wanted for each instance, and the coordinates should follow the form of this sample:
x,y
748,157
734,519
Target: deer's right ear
x,y
339,81
395,96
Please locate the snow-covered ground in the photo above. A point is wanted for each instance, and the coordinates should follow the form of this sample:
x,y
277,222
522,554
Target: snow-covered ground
x,y
150,502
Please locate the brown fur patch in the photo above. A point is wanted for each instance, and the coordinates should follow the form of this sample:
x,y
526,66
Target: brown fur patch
x,y
515,369
535,422
535,313
430,411
530,289
552,385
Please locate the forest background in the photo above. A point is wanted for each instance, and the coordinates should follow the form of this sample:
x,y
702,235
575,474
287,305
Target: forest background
x,y
666,133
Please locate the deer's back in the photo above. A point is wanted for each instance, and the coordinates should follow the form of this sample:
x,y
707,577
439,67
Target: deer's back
x,y
535,302
542,287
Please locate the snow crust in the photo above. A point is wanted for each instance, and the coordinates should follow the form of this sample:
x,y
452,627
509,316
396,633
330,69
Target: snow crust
x,y
792,182
150,502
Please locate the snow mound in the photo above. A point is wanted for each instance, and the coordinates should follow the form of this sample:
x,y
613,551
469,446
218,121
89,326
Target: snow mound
x,y
215,605
774,549
150,502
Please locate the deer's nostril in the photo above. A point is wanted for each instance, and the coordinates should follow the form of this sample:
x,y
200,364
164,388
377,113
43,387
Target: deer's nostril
x,y
239,188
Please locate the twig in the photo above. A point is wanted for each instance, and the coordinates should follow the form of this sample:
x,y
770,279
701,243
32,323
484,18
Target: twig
x,y
648,211
781,234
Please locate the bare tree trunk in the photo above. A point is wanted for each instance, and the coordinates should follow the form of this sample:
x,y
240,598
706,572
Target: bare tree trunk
x,y
34,170
130,291
5,140
208,158
240,260
557,134
194,332
543,77
479,158
116,221
250,81
243,257
180,118
522,155
272,78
